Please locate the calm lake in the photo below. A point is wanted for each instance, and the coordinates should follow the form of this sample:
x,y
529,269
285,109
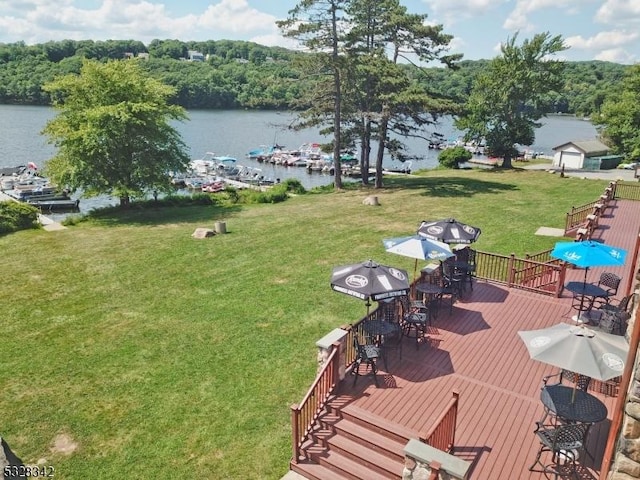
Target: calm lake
x,y
236,132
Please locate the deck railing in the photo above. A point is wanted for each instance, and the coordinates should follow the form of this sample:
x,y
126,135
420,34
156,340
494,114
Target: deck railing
x,y
542,277
627,191
305,414
542,257
577,216
442,435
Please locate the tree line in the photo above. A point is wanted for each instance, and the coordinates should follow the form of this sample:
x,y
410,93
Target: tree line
x,y
240,74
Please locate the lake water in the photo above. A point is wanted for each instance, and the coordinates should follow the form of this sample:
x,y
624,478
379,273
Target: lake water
x,y
236,132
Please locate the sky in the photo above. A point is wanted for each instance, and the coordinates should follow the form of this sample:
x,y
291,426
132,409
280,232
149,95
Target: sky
x,y
606,30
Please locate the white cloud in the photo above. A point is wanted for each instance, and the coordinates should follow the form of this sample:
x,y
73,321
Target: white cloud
x,y
38,21
453,10
519,18
619,12
603,40
609,46
616,55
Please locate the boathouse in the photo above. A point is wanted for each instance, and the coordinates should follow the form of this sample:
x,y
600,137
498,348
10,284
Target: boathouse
x,y
585,155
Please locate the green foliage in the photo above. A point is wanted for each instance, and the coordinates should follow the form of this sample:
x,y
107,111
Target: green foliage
x,y
293,185
113,133
453,157
16,216
620,117
275,194
267,78
513,93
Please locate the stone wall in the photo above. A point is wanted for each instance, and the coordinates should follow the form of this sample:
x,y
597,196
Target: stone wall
x,y
626,461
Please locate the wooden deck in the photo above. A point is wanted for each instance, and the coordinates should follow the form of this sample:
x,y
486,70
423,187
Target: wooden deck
x,y
476,350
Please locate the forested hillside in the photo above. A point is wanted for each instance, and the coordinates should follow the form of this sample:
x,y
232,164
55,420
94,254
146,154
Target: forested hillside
x,y
237,74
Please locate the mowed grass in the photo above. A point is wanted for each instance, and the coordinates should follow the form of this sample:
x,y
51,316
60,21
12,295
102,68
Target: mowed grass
x,y
157,355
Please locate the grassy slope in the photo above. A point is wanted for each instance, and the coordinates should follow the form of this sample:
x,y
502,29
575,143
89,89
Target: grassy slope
x,y
162,355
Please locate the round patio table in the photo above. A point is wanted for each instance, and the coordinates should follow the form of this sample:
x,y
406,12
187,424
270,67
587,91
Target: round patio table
x,y
583,297
584,408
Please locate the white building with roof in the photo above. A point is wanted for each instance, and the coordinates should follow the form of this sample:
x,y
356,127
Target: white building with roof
x,y
585,155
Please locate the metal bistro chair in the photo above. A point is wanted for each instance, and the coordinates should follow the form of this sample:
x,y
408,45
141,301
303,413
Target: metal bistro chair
x,y
564,442
389,313
468,256
610,282
367,353
415,316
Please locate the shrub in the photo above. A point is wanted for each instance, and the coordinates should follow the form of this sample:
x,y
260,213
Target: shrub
x,y
16,216
453,157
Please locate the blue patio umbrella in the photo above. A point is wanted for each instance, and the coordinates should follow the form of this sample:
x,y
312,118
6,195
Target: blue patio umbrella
x,y
588,254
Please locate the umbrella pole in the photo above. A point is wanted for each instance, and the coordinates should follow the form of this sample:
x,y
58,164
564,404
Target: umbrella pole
x,y
415,274
584,285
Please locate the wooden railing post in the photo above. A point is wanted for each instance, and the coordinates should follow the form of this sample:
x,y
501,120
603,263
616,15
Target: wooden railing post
x,y
295,433
512,270
634,264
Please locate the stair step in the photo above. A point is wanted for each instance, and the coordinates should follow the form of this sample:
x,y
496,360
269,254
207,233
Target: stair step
x,y
381,443
378,424
364,455
315,471
354,470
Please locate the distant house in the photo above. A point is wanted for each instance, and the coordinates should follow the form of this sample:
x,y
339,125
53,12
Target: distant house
x,y
195,56
585,155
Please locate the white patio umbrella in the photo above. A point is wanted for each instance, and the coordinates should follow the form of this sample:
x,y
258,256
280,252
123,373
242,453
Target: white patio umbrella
x,y
578,349
418,247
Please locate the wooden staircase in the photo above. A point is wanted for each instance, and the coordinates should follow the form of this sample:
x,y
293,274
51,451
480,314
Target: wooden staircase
x,y
351,443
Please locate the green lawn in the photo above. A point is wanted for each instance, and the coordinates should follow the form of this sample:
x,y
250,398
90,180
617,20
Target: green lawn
x,y
159,355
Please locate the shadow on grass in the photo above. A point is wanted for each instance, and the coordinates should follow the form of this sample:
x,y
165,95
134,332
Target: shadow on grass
x,y
452,186
161,215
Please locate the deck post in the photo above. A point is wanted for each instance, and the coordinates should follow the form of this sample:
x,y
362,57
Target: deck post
x,y
295,434
634,264
511,268
619,409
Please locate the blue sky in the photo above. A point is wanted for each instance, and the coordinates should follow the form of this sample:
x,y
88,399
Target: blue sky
x,y
595,29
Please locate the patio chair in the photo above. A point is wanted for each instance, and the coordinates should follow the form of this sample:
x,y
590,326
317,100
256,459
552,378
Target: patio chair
x,y
367,353
610,282
389,312
564,442
467,256
416,318
613,319
453,278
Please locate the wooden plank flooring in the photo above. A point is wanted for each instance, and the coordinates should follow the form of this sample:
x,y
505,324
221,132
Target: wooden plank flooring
x,y
476,350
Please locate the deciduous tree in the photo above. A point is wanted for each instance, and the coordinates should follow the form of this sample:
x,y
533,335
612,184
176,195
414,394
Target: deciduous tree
x,y
512,94
112,131
620,117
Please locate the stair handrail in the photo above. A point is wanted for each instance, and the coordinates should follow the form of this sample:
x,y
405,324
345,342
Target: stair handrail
x,y
305,414
442,434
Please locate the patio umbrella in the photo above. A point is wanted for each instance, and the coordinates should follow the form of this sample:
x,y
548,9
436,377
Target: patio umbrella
x,y
578,349
420,248
370,281
587,254
449,230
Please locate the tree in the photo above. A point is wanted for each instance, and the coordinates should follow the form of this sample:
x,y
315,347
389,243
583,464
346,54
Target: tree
x,y
512,94
620,117
454,156
315,23
112,131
